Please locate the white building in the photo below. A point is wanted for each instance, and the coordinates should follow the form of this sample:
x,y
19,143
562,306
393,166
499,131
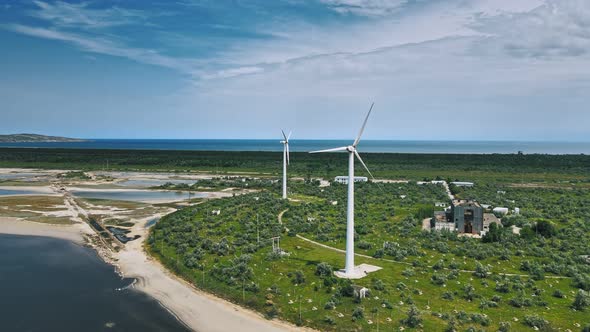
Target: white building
x,y
344,179
462,184
501,210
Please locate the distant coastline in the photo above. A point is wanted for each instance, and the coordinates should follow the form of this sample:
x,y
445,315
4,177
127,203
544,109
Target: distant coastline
x,y
269,145
35,138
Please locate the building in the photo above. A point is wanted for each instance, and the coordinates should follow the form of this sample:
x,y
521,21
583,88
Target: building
x,y
488,219
462,184
501,210
467,216
344,179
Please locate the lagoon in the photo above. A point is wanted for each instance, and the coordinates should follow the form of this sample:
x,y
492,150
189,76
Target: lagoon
x,y
55,285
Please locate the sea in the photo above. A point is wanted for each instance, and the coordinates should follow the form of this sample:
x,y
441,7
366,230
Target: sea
x,y
378,146
51,284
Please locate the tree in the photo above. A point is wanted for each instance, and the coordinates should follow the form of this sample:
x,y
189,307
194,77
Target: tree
x,y
480,270
413,319
493,235
358,313
323,270
545,228
298,277
581,301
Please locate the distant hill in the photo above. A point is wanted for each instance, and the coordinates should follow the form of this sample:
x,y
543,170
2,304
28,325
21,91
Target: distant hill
x,y
27,138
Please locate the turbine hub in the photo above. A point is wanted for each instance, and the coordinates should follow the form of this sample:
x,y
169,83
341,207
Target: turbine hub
x,y
350,148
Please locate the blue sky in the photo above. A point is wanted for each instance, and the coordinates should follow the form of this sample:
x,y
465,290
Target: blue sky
x,y
452,70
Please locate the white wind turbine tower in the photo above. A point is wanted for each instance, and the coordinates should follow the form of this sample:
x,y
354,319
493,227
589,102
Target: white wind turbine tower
x,y
285,161
349,270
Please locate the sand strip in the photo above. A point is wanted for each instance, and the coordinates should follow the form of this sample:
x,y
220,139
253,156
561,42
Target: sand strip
x,y
16,226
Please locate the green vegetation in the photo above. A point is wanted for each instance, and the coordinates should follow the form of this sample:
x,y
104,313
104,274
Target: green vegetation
x,y
429,281
557,171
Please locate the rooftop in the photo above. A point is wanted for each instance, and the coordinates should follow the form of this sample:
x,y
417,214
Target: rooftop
x,y
466,203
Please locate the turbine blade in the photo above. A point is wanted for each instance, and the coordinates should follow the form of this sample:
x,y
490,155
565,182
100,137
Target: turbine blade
x,y
289,136
287,146
358,138
362,162
284,136
344,148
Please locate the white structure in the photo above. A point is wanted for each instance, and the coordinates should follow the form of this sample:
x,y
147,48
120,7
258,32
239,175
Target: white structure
x,y
441,225
350,271
285,161
462,184
501,210
516,210
216,212
344,179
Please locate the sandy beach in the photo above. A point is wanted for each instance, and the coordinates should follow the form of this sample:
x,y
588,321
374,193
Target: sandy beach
x,y
16,226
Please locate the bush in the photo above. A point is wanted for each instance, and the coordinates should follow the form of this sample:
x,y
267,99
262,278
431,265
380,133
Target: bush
x,y
413,319
581,301
504,327
535,321
358,313
480,270
323,270
329,320
438,279
298,277
330,305
558,294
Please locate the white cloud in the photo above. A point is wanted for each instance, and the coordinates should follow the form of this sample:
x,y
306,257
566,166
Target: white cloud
x,y
81,15
366,7
108,47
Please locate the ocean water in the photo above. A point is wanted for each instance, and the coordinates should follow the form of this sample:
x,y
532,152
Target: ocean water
x,y
55,285
384,146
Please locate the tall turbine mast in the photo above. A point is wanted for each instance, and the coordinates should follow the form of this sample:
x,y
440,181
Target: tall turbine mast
x,y
349,270
285,161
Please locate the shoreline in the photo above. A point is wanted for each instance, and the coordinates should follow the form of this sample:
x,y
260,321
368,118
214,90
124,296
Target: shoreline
x,y
197,309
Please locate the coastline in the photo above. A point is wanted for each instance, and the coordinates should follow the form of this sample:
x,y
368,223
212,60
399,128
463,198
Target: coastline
x,y
198,310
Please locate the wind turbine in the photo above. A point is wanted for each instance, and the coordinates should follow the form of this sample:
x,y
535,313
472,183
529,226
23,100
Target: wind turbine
x,y
285,161
349,271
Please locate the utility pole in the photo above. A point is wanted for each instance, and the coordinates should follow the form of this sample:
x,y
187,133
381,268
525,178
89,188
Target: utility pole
x,y
300,308
257,231
203,269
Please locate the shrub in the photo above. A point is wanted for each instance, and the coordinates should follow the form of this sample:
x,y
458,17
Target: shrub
x,y
581,301
378,284
558,294
323,270
330,305
358,313
535,321
329,320
298,277
413,319
480,270
438,279
504,327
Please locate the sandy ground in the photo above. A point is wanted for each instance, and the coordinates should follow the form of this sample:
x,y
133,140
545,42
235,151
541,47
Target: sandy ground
x,y
75,233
